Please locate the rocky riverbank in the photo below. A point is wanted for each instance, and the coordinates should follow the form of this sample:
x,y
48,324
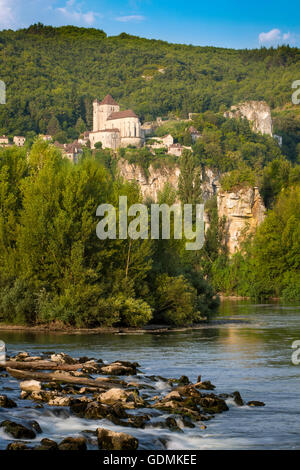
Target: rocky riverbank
x,y
114,396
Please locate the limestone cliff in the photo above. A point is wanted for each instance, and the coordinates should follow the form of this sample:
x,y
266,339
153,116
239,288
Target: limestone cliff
x,y
244,211
257,112
152,183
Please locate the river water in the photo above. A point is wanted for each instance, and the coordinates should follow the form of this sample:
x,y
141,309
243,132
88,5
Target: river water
x,y
247,348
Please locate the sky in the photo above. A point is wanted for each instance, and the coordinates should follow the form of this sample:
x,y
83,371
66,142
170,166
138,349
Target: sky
x,y
222,23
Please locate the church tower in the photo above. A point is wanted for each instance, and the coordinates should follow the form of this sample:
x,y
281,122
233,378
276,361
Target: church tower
x,y
102,110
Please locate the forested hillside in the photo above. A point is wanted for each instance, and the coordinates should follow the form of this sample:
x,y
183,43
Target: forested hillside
x,y
53,74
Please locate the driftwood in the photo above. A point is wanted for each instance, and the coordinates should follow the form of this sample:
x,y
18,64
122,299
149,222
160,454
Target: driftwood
x,y
42,365
100,382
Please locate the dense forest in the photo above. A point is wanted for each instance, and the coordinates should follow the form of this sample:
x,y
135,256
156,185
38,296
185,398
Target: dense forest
x,y
53,269
53,75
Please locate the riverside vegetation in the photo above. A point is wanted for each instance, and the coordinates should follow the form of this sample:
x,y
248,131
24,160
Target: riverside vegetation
x,y
53,268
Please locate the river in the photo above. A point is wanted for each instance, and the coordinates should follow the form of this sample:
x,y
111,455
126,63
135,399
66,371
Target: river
x,y
247,348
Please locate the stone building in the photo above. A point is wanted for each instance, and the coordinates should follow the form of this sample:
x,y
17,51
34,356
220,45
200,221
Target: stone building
x,y
4,140
114,128
19,140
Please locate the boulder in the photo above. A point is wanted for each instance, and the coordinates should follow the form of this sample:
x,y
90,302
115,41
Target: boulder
x,y
213,404
175,395
31,386
35,425
111,440
117,368
206,385
73,443
59,401
129,399
255,403
47,444
238,399
18,431
63,358
184,380
17,446
6,402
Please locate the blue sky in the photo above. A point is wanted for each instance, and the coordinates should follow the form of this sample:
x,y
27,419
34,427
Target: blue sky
x,y
230,23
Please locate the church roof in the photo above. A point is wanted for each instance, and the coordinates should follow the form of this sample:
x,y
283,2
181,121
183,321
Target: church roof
x,y
122,114
109,100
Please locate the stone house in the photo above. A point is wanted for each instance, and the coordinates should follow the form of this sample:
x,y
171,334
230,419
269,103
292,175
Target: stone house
x,y
4,140
19,140
71,151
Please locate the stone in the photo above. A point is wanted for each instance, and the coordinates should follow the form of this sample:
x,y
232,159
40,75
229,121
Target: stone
x,y
17,446
184,380
35,425
255,403
31,386
118,369
95,410
63,358
18,431
207,385
59,401
47,444
6,402
73,443
213,404
111,440
171,423
175,395
238,399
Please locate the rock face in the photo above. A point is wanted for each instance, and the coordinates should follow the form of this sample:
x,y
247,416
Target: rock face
x,y
244,211
156,180
257,112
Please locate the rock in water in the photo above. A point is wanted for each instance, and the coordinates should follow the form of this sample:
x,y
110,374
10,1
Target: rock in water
x,y
238,399
110,440
17,446
255,403
31,386
47,444
18,431
73,443
6,402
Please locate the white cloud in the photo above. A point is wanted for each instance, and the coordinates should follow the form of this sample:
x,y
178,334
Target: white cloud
x,y
272,36
73,12
7,18
275,37
126,19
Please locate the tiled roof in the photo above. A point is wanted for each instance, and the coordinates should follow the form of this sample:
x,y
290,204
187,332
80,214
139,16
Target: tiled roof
x,y
122,114
109,100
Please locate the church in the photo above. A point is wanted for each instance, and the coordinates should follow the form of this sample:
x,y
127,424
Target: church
x,y
114,128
